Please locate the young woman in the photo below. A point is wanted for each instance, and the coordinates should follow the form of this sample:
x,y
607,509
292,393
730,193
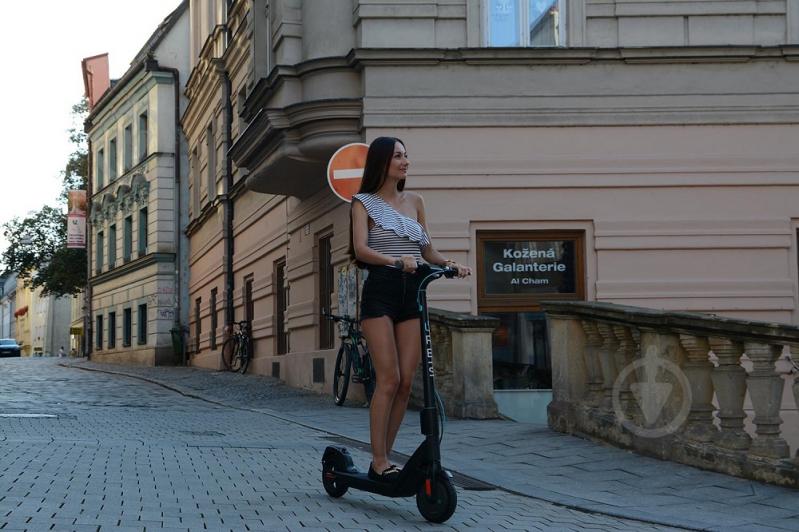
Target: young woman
x,y
389,236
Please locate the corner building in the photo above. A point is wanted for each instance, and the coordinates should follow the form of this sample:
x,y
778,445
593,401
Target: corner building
x,y
634,153
135,245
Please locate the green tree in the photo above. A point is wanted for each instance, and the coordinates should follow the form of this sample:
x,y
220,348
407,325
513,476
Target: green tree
x,y
37,249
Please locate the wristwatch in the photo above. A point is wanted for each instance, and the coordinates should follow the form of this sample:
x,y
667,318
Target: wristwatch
x,y
398,263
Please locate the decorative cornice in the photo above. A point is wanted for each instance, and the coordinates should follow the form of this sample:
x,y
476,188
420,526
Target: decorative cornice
x,y
132,266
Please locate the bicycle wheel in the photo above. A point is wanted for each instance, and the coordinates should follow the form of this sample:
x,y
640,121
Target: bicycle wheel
x,y
237,361
244,356
369,379
229,351
341,374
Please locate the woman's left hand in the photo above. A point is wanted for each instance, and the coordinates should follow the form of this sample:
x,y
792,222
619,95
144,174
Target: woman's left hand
x,y
463,271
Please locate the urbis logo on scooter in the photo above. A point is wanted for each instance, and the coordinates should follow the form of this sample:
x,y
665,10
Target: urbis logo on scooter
x,y
428,342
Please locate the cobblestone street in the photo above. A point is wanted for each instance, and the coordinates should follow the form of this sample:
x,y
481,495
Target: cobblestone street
x,y
92,451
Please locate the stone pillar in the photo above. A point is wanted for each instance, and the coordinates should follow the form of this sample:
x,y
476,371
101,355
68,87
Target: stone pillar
x,y
729,380
593,343
698,369
625,356
765,389
607,364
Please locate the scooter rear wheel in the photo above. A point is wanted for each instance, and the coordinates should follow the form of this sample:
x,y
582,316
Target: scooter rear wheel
x,y
442,501
333,488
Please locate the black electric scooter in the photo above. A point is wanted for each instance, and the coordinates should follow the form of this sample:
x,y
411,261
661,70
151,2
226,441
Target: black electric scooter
x,y
422,475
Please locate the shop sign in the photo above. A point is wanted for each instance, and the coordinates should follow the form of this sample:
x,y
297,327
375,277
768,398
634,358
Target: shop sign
x,y
529,267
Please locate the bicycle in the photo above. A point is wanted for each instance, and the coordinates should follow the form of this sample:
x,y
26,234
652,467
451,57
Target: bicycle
x,y
236,349
352,359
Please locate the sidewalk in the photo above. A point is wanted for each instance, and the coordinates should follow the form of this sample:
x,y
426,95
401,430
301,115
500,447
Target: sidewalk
x,y
520,458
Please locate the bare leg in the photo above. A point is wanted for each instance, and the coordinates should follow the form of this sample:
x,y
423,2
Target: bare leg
x,y
409,351
379,333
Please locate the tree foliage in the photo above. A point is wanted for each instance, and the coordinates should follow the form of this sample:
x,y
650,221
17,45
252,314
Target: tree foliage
x,y
37,250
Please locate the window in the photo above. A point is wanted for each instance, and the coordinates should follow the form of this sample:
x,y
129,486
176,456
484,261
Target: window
x,y
281,303
127,244
195,183
142,136
112,160
213,318
112,245
127,151
516,270
249,313
210,148
325,292
112,330
100,169
142,232
524,22
99,243
99,326
127,327
198,324
142,319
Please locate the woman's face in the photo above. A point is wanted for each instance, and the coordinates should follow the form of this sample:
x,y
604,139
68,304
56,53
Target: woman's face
x,y
398,168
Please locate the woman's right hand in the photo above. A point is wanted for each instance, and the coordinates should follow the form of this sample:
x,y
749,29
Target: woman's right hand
x,y
408,263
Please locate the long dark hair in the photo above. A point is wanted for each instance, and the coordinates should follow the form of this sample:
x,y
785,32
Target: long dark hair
x,y
378,159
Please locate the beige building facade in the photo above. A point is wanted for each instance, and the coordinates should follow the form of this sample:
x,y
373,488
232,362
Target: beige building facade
x,y
135,240
638,153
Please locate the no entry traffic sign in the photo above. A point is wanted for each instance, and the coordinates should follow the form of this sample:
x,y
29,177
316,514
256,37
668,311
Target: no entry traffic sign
x,y
345,170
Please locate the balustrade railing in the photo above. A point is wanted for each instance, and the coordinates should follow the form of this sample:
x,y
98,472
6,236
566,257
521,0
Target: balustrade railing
x,y
695,388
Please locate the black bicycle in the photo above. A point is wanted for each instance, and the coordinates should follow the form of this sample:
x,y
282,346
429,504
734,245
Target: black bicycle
x,y
352,360
236,349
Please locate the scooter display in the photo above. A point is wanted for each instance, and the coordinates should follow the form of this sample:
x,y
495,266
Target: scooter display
x,y
423,475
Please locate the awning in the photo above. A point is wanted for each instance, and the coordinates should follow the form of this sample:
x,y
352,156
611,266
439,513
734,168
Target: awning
x,y
21,311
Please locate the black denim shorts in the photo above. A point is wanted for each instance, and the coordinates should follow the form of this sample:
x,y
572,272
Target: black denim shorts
x,y
390,292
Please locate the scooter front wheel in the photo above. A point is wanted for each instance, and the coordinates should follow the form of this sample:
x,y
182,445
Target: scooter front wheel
x,y
333,488
437,499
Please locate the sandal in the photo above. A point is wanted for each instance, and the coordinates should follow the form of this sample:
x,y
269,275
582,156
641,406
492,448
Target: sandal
x,y
389,474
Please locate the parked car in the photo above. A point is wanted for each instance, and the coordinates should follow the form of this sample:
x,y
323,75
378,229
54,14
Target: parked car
x,y
9,347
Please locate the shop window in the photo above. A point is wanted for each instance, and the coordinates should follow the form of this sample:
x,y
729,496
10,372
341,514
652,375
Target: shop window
x,y
127,327
142,319
325,296
281,304
516,270
112,330
524,22
214,323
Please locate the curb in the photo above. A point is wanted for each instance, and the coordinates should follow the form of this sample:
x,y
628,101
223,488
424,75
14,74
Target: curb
x,y
557,499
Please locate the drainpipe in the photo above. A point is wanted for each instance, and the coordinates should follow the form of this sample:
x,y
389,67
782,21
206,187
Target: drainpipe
x,y
153,66
227,205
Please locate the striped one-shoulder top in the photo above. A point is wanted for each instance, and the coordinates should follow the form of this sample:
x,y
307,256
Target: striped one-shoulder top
x,y
394,233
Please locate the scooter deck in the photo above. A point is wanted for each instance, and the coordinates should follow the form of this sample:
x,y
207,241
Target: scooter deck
x,y
361,481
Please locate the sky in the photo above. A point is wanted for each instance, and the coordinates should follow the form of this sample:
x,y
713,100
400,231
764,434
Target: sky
x,y
42,80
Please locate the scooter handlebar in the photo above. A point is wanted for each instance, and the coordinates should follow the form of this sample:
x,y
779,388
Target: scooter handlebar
x,y
438,271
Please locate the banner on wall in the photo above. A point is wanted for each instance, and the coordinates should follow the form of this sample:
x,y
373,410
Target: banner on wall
x,y
76,219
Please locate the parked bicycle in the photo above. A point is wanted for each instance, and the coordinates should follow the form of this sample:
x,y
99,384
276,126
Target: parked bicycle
x,y
352,360
236,353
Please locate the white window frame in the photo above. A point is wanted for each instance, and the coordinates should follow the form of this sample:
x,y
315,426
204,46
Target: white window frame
x,y
523,25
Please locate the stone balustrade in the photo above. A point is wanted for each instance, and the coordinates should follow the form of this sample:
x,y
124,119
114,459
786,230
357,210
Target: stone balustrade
x,y
463,364
693,388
